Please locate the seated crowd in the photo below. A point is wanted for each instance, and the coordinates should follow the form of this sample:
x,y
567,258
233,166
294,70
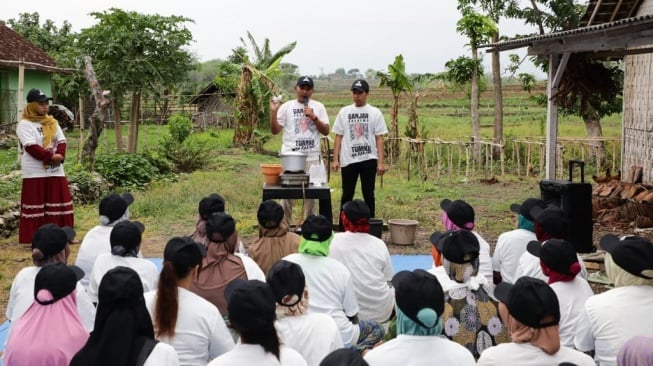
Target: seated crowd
x,y
323,299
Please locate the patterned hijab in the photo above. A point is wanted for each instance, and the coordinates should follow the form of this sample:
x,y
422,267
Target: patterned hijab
x,y
471,318
48,123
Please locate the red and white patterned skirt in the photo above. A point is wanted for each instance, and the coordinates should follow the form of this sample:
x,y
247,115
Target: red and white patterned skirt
x,y
44,200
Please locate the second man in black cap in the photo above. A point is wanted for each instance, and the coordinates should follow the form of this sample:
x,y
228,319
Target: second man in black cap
x,y
358,149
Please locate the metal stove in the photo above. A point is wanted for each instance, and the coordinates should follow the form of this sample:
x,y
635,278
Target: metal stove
x,y
294,179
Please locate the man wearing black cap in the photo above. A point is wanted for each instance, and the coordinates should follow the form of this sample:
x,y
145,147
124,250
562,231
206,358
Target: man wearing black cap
x,y
358,148
45,196
512,244
302,121
613,317
113,209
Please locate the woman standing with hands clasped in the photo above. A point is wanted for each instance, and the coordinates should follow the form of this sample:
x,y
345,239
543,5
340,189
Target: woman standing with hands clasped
x,y
45,197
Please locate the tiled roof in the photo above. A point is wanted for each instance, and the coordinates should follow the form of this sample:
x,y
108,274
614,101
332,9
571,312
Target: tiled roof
x,y
14,47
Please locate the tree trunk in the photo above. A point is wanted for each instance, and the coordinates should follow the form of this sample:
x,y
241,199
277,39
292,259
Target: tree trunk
x,y
132,141
597,147
394,127
117,124
102,104
498,99
476,127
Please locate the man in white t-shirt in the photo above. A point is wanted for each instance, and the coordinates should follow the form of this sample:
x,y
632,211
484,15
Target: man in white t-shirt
x,y
611,318
512,244
559,262
368,260
303,121
358,150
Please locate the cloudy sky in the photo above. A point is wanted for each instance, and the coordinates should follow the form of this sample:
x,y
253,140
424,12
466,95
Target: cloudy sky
x,y
330,34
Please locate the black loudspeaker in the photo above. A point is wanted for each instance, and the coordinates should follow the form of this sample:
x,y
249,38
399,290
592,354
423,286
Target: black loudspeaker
x,y
575,200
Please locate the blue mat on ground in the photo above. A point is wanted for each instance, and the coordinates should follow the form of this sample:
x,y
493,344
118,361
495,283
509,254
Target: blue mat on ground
x,y
399,262
411,262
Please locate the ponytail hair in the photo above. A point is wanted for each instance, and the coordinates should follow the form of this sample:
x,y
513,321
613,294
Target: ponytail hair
x,y
179,260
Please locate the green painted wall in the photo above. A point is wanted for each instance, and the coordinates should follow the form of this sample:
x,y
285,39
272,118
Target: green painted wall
x,y
9,86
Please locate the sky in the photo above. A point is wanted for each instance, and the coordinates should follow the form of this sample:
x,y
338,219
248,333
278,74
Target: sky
x,y
330,34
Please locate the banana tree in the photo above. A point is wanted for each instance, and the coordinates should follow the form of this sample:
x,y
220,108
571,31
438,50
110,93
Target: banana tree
x,y
398,81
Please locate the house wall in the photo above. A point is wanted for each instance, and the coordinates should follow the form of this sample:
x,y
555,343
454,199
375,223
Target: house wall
x,y
638,110
9,87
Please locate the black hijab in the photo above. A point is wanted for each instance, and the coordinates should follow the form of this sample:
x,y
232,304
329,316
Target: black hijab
x,y
123,326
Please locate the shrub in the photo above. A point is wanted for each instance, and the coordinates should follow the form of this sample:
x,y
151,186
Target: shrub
x,y
187,156
179,126
125,170
158,159
86,187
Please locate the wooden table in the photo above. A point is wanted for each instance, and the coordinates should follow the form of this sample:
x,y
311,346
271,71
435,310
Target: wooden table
x,y
322,194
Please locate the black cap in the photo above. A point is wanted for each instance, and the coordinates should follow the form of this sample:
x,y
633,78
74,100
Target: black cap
x,y
305,81
36,95
634,254
250,304
551,219
184,246
57,278
458,211
360,85
457,246
219,227
211,204
530,301
114,205
417,290
51,239
344,357
356,210
317,228
286,278
270,214
120,285
525,208
127,234
557,254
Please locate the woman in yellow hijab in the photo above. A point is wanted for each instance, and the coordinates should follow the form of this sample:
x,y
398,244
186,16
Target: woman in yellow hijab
x,y
45,196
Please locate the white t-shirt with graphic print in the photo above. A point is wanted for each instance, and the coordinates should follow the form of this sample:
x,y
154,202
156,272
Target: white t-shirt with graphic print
x,y
300,132
359,127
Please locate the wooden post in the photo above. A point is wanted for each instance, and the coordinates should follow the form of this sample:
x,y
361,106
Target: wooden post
x,y
556,69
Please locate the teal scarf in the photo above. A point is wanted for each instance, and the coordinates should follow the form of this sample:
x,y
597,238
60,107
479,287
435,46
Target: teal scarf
x,y
524,223
428,316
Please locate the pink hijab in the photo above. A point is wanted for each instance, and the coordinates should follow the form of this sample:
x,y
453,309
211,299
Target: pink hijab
x,y
46,335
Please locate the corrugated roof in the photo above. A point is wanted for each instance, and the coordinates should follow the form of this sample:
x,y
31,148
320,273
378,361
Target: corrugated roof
x,y
14,47
606,11
529,41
